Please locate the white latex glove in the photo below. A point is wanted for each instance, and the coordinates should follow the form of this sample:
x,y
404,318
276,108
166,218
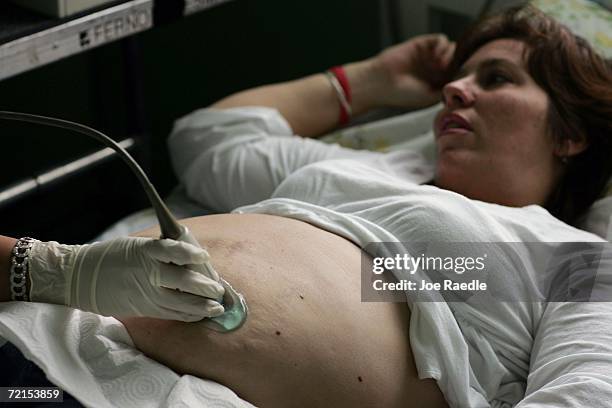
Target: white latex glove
x,y
129,276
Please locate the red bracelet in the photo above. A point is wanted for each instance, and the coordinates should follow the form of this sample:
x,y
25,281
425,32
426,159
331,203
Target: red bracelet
x,y
344,93
339,72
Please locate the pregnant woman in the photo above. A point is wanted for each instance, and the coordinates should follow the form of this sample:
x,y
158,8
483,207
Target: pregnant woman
x,y
523,149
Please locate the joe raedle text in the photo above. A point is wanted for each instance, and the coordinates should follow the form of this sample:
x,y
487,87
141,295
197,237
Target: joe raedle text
x,y
425,285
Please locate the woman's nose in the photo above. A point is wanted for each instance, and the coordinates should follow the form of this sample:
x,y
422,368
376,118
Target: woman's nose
x,y
457,94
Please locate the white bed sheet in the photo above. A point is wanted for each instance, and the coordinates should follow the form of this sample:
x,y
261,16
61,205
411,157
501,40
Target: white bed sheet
x,y
93,358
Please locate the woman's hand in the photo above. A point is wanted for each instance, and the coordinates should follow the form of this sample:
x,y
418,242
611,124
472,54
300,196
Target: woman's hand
x,y
411,74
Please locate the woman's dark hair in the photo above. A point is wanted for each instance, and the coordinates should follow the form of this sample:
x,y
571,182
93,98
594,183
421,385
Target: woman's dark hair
x,y
578,82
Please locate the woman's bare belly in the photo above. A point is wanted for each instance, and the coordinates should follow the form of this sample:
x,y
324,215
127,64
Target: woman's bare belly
x,y
309,341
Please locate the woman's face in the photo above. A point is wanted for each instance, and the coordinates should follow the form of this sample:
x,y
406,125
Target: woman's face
x,y
492,140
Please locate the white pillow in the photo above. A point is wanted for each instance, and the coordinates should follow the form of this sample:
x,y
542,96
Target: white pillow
x,y
598,219
585,18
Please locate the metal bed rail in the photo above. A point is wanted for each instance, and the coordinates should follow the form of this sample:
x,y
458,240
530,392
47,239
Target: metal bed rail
x,y
35,184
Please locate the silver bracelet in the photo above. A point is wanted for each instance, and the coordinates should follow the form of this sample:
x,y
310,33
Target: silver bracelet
x,y
20,268
339,93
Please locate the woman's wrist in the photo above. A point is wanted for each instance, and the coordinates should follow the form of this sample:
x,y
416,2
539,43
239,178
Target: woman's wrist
x,y
368,84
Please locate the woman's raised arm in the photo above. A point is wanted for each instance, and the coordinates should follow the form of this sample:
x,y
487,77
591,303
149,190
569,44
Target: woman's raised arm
x,y
408,75
310,104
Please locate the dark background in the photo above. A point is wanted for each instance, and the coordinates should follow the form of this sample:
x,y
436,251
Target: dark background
x,y
180,66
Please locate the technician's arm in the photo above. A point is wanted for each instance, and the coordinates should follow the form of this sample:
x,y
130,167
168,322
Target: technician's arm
x,y
408,75
129,276
6,245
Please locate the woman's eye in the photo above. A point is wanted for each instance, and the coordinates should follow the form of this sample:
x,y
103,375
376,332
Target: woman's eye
x,y
497,79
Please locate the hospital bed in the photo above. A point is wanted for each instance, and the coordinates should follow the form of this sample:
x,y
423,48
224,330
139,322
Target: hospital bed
x,y
93,358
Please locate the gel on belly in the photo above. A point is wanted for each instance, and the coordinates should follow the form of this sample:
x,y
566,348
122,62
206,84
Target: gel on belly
x,y
234,303
235,311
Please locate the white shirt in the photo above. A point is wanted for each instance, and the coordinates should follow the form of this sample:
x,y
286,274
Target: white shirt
x,y
481,354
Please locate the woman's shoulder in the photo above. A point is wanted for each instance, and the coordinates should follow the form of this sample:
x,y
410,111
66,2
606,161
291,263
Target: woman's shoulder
x,y
535,223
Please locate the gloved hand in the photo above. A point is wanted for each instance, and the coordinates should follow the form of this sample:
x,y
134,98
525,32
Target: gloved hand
x,y
125,277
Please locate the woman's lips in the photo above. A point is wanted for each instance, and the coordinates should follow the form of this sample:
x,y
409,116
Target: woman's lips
x,y
456,131
453,123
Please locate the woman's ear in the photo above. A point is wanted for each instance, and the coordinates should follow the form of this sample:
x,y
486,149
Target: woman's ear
x,y
568,147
